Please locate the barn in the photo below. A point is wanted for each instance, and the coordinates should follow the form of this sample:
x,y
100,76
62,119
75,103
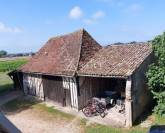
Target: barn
x,y
72,68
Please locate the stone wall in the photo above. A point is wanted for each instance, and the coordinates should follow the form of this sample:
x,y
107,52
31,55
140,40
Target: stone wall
x,y
141,95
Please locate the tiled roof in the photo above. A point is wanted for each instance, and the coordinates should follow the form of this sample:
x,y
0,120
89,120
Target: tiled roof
x,y
117,60
78,53
63,55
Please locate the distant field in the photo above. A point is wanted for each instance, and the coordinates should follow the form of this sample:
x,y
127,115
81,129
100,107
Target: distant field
x,y
9,64
14,58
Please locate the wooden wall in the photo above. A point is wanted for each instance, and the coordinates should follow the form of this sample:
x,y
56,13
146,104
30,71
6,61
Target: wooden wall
x,y
33,85
61,90
53,89
91,87
68,91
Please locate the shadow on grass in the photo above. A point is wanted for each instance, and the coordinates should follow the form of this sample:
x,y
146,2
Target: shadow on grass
x,y
18,105
6,88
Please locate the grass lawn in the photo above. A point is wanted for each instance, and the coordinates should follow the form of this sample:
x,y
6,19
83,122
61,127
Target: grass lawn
x,y
5,82
54,112
21,104
10,65
97,128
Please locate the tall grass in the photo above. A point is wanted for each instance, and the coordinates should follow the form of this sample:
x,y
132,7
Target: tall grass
x,y
11,65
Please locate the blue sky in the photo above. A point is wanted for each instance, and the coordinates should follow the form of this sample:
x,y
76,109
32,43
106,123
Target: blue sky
x,y
25,25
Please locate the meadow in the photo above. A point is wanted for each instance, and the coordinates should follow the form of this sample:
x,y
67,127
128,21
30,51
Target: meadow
x,y
10,65
7,65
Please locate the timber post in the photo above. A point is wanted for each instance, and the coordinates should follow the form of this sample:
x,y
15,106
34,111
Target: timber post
x,y
128,103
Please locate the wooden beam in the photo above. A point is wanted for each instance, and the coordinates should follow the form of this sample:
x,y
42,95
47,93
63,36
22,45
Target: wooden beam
x,y
128,102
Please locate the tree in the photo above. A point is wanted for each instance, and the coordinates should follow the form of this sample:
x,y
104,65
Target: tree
x,y
156,74
3,53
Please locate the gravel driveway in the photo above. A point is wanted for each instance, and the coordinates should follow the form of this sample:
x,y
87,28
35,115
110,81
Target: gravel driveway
x,y
35,121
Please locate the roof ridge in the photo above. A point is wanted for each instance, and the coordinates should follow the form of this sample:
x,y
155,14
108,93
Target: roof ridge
x,y
65,34
126,44
82,32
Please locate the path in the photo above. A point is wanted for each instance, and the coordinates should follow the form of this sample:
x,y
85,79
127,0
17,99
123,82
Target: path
x,y
33,120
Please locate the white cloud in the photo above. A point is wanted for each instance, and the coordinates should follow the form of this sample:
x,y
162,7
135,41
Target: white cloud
x,y
4,28
89,21
98,14
134,8
76,13
94,18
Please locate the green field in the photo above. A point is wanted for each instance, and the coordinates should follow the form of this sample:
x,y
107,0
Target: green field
x,y
10,65
6,66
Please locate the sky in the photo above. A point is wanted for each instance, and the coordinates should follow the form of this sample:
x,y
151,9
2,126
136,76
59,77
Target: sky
x,y
26,25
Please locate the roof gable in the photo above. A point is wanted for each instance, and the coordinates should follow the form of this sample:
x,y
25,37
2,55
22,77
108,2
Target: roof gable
x,y
78,53
61,55
117,60
89,48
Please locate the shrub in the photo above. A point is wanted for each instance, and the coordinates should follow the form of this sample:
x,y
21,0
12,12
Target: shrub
x,y
2,53
156,74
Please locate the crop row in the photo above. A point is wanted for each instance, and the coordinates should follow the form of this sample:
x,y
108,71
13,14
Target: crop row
x,y
6,66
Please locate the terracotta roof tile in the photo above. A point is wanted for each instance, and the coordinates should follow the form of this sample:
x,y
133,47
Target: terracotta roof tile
x,y
61,55
79,53
117,60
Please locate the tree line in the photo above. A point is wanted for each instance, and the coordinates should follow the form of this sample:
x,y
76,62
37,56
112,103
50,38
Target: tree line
x,y
3,53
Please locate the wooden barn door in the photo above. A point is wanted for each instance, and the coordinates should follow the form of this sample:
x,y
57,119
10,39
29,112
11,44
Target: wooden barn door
x,y
53,89
69,84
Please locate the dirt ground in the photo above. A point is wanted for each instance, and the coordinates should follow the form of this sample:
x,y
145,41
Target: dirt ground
x,y
36,121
